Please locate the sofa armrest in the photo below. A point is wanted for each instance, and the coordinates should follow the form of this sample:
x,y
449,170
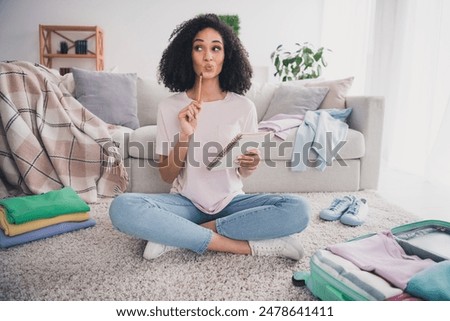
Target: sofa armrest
x,y
367,117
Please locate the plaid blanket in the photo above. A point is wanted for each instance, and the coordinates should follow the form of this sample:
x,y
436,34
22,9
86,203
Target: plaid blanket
x,y
48,140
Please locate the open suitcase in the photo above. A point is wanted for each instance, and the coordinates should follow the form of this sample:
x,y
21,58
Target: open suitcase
x,y
341,272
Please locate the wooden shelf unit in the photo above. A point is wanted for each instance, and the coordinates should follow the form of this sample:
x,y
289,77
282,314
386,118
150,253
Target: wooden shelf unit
x,y
48,53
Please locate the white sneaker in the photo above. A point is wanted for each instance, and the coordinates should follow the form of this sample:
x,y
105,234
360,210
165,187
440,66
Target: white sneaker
x,y
154,250
288,246
337,208
356,214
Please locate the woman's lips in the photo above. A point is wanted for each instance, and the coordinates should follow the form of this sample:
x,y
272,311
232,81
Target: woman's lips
x,y
209,67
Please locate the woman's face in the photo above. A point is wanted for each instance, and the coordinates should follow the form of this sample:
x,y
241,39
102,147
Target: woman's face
x,y
208,53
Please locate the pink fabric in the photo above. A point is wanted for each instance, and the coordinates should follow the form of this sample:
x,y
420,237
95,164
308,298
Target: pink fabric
x,y
382,255
403,297
280,124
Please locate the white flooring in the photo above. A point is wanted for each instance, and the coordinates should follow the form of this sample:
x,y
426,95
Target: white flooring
x,y
415,195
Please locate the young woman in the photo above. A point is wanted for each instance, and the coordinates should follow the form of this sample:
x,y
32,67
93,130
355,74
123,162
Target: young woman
x,y
207,66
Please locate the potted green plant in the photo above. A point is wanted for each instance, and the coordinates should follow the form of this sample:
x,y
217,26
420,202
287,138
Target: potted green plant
x,y
232,21
304,63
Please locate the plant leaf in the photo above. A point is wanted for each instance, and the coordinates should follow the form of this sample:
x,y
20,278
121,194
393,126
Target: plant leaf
x,y
277,62
317,56
307,60
304,63
307,50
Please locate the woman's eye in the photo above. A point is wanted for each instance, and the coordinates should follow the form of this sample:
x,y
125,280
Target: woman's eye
x,y
198,48
217,48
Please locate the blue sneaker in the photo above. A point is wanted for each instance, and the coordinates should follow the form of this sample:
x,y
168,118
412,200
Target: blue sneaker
x,y
337,208
357,213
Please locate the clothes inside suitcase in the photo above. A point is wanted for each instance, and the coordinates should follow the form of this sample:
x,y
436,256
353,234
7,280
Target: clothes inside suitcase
x,y
340,272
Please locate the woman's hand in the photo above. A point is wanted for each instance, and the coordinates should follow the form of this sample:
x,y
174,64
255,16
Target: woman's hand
x,y
249,162
188,118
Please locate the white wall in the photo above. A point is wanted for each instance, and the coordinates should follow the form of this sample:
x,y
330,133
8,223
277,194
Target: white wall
x,y
137,31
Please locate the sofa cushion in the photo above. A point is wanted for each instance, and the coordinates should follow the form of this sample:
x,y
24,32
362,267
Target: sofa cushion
x,y
142,143
294,100
282,150
121,136
109,96
149,94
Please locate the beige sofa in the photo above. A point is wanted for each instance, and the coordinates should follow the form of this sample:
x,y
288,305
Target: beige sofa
x,y
358,169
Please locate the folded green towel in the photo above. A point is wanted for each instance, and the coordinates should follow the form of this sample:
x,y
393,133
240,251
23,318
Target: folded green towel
x,y
34,207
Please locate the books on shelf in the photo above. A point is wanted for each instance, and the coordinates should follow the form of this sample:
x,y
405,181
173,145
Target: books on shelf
x,y
81,47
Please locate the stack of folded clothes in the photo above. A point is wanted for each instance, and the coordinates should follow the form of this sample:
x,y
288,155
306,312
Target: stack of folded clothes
x,y
29,218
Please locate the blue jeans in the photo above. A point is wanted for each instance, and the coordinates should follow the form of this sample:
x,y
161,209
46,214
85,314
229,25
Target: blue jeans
x,y
173,220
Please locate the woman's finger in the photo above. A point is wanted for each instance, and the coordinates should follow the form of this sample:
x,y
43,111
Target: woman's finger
x,y
193,111
248,160
197,105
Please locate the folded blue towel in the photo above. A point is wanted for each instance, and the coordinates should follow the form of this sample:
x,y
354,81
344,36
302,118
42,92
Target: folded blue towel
x,y
8,241
431,284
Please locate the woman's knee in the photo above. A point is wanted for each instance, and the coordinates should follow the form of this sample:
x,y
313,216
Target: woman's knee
x,y
299,211
121,208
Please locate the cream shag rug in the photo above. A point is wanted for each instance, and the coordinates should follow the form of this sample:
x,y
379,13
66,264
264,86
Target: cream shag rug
x,y
100,263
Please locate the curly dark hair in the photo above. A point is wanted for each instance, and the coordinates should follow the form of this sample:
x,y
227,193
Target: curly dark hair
x,y
176,69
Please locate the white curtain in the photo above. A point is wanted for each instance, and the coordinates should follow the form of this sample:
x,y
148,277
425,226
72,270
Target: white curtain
x,y
347,29
400,49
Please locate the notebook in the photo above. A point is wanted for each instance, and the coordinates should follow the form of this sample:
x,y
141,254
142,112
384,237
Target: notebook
x,y
226,158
